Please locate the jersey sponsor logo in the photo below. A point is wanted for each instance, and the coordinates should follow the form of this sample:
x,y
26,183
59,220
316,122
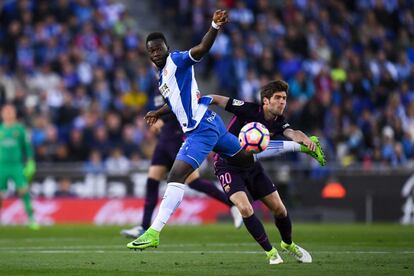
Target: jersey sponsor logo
x,y
165,91
211,118
237,102
8,142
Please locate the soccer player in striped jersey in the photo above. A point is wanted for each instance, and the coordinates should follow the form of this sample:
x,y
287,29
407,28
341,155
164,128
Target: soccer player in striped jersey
x,y
204,129
169,142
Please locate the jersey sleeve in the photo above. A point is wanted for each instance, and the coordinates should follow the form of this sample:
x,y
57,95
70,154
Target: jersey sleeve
x,y
183,58
241,108
283,123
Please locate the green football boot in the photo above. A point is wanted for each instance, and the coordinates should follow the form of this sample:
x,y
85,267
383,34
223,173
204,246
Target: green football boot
x,y
150,238
33,224
318,154
296,251
273,256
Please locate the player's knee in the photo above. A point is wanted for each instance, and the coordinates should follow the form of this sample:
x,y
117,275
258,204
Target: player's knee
x,y
280,211
176,176
179,172
246,210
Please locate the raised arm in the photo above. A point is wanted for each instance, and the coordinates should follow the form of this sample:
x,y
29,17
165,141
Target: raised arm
x,y
219,100
220,18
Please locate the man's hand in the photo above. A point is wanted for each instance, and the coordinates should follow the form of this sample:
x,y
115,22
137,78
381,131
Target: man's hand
x,y
309,144
151,118
220,17
156,128
29,170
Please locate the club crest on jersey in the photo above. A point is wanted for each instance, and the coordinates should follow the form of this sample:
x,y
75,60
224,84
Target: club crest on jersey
x,y
165,91
165,72
237,102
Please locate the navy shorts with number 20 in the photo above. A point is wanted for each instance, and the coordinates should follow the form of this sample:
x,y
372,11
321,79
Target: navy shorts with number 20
x,y
253,181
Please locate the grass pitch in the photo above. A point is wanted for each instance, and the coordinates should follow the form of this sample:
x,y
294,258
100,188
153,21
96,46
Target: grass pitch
x,y
206,250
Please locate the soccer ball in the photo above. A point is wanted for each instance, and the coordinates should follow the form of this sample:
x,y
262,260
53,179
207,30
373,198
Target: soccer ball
x,y
254,137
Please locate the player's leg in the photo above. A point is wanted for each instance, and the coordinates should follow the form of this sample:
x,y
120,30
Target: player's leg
x,y
156,173
1,203
3,188
284,225
161,162
173,194
254,226
279,147
280,215
22,188
192,153
232,180
204,186
172,199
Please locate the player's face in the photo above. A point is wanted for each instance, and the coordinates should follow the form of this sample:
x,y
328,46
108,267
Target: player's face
x,y
8,114
277,103
158,52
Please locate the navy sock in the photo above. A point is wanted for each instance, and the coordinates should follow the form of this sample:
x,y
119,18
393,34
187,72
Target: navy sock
x,y
151,199
256,229
284,225
207,187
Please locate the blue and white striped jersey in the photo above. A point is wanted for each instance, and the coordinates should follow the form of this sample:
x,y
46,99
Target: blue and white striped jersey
x,y
179,88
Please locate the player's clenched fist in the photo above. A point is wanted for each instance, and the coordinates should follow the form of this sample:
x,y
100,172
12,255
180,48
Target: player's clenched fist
x,y
220,17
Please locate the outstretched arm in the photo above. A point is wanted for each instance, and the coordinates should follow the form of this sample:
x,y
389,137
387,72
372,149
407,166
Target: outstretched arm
x,y
220,18
300,137
219,100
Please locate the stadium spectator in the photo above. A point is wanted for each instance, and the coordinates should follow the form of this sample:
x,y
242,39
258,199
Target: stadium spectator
x,y
94,164
64,189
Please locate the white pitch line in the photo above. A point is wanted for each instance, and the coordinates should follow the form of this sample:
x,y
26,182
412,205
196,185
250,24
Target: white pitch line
x,y
33,247
57,251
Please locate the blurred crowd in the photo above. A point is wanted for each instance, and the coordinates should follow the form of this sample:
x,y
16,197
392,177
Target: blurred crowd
x,y
79,75
349,64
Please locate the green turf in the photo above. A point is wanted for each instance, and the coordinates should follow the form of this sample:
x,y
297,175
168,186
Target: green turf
x,y
206,250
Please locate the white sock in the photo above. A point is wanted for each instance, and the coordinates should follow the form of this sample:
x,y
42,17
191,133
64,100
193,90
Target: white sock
x,y
277,147
172,198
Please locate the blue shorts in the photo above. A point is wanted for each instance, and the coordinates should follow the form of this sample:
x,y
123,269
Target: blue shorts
x,y
210,135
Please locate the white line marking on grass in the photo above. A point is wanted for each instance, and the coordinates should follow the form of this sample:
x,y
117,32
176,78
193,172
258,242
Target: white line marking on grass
x,y
65,251
186,245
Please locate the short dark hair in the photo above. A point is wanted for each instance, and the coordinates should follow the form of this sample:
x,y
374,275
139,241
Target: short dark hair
x,y
154,36
272,87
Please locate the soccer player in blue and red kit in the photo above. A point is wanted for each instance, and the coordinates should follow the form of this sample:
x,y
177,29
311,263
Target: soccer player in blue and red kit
x,y
237,181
